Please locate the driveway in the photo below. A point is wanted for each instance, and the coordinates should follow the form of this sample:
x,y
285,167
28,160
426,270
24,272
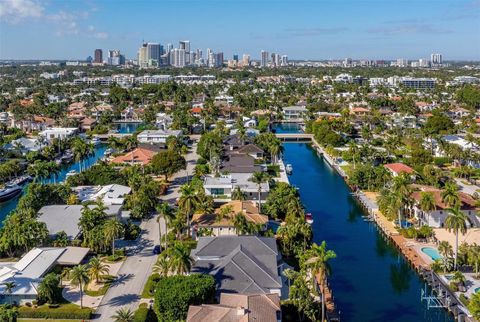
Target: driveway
x,y
125,292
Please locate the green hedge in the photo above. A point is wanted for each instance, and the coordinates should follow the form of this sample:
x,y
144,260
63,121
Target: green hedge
x,y
143,314
149,289
66,311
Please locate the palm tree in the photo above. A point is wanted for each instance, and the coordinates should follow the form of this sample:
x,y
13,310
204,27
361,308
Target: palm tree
x,y
96,269
427,203
474,257
275,149
123,315
9,287
450,195
180,259
79,276
165,212
456,221
112,228
318,257
188,201
259,177
162,266
458,278
237,194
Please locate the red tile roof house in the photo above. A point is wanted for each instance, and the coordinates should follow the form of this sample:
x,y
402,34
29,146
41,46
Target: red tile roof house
x,y
398,168
139,156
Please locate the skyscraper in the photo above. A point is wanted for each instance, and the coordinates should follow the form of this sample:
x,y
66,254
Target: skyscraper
x,y
219,60
264,58
115,58
98,56
142,56
245,60
169,48
284,60
177,57
153,54
185,45
235,57
436,59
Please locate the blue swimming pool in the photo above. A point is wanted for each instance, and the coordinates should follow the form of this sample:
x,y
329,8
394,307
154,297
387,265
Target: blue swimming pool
x,y
432,253
477,290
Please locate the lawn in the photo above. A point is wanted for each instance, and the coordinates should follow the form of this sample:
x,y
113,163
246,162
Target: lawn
x,y
47,320
107,282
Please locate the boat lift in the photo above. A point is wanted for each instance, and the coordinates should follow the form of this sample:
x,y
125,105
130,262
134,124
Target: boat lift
x,y
433,301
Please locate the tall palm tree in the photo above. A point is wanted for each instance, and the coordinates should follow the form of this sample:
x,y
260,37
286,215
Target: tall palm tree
x,y
318,257
96,269
187,202
162,266
79,277
237,194
164,211
259,177
450,195
123,315
427,203
112,228
474,257
180,259
402,192
456,221
9,287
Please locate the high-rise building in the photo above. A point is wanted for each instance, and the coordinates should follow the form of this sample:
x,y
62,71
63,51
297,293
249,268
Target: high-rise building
x,y
436,59
264,58
422,62
98,56
219,59
235,57
153,54
115,58
142,56
284,60
185,45
402,62
246,60
169,48
177,57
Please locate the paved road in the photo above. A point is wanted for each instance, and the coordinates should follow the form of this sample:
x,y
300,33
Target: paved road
x,y
132,276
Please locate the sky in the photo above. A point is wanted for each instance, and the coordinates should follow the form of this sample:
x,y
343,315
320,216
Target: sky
x,y
313,29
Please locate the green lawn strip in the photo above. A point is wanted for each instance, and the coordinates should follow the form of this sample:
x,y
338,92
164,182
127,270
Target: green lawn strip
x,y
107,280
149,288
60,311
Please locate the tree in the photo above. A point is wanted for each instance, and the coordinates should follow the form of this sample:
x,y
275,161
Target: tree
x,y
174,294
474,257
8,313
456,221
96,269
238,194
259,177
162,266
123,315
164,211
318,257
180,259
450,195
187,202
168,162
9,287
112,228
438,123
48,290
79,277
474,305
427,202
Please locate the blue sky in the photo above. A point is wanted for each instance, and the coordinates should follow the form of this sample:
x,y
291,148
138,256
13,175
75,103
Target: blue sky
x,y
315,29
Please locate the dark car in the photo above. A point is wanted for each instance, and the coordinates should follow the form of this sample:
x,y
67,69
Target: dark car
x,y
157,250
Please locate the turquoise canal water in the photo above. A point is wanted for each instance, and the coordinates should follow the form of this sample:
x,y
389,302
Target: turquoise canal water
x,y
127,127
6,207
370,279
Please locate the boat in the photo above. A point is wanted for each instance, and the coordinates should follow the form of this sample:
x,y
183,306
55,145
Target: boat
x,y
95,141
309,218
21,180
71,173
67,157
9,191
289,169
108,151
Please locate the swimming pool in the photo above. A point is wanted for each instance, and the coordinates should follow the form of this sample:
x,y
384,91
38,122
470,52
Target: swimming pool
x,y
477,290
432,253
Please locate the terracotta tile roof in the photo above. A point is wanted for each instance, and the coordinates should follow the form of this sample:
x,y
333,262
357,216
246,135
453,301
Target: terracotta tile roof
x,y
196,110
468,203
399,168
139,155
248,208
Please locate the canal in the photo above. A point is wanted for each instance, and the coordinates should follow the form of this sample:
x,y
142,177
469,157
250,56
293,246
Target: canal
x,y
60,176
370,279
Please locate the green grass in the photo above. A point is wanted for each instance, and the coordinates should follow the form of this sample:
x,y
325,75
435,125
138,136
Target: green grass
x,y
149,288
48,320
62,311
108,280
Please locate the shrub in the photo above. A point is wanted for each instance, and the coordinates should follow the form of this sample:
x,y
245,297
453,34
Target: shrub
x,y
144,314
149,288
66,311
174,294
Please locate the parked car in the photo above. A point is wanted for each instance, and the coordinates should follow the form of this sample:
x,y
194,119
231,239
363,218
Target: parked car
x,y
156,249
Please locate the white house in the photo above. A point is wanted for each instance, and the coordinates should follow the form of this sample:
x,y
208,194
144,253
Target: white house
x,y
112,194
157,136
221,188
58,133
294,113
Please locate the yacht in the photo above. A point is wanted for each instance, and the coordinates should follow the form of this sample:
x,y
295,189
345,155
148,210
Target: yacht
x,y
95,141
9,191
309,218
289,169
21,180
71,173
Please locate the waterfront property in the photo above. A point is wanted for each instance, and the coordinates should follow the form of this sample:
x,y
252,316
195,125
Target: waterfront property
x,y
241,264
140,156
397,169
58,133
112,194
294,113
238,308
157,136
221,188
220,223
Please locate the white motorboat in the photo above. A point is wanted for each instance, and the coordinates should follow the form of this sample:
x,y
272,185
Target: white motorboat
x,y
9,191
71,173
288,169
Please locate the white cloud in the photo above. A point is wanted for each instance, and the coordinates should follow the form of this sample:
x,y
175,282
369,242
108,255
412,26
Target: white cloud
x,y
100,35
15,10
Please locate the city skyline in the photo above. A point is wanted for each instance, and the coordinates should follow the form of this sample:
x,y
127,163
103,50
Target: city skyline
x,y
303,30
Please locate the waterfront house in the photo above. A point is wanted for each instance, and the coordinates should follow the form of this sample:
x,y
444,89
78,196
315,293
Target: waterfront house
x,y
163,121
252,150
240,264
29,271
87,124
436,218
58,133
221,187
294,113
220,226
397,169
112,194
238,308
157,136
239,163
234,142
140,156
26,145
67,217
